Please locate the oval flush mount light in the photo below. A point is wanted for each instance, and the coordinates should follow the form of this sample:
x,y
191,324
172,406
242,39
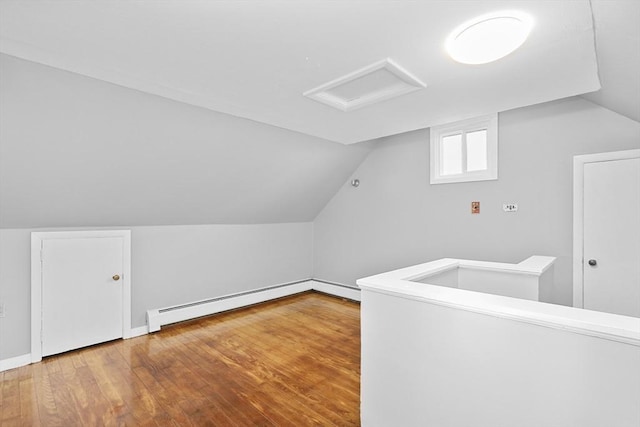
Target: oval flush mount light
x,y
488,38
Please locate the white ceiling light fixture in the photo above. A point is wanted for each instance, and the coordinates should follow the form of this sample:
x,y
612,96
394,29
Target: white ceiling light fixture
x,y
489,37
374,83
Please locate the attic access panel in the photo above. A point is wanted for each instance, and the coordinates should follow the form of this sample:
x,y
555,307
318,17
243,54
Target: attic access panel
x,y
377,82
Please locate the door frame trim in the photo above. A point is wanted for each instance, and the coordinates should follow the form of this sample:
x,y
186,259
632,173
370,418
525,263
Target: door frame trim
x,y
37,239
578,213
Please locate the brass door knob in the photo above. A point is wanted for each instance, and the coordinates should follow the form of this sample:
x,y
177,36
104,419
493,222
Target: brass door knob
x,y
116,277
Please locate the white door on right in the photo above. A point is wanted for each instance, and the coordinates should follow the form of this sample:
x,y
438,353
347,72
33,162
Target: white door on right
x,y
611,266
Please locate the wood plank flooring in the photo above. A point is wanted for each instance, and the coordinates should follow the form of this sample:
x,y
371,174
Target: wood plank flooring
x,y
291,362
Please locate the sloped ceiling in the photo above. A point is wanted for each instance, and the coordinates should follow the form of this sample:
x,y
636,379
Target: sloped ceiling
x,y
254,59
617,25
79,147
79,152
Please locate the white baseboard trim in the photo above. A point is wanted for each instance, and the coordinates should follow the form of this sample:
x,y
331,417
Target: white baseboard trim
x,y
15,362
336,289
164,316
139,331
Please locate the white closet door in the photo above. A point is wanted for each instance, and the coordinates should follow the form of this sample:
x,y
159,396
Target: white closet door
x,y
81,292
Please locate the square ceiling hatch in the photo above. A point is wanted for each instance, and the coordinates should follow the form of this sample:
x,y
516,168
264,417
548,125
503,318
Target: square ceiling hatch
x,y
374,83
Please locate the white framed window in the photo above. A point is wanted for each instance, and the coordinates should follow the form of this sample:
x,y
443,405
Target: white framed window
x,y
465,151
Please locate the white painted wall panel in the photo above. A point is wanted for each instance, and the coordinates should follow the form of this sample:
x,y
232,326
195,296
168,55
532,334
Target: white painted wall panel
x,y
430,365
15,293
182,264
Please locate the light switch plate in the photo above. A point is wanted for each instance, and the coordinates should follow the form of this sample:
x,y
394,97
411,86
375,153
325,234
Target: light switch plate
x,y
510,207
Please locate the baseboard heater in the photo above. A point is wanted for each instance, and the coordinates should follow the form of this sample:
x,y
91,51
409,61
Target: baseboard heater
x,y
179,313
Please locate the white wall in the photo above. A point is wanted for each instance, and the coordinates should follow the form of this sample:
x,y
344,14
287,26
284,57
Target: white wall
x,y
181,264
15,292
170,265
395,218
430,365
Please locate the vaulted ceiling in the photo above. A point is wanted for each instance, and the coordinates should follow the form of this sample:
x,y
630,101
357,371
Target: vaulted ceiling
x,y
254,59
188,112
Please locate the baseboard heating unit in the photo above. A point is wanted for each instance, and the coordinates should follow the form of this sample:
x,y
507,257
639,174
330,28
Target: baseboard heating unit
x,y
178,313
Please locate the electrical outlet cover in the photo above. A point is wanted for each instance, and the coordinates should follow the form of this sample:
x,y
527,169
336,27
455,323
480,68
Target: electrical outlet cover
x,y
510,207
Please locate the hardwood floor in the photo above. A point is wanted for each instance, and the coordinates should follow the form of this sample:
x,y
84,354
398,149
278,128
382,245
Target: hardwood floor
x,y
291,362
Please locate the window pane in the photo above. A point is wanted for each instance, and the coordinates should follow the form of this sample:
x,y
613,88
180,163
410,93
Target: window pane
x,y
451,155
477,150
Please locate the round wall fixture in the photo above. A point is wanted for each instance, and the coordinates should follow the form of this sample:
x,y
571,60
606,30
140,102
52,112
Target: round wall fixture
x,y
489,37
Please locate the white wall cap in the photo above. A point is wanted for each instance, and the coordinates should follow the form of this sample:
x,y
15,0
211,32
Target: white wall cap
x,y
586,322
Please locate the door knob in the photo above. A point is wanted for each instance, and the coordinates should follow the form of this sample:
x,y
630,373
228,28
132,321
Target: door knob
x,y
593,262
116,277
